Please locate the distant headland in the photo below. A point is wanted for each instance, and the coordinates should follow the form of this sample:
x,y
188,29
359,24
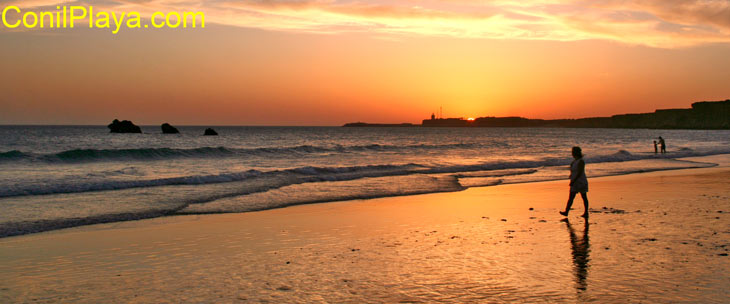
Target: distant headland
x,y
702,115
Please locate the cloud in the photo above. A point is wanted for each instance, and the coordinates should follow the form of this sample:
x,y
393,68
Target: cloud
x,y
656,23
33,3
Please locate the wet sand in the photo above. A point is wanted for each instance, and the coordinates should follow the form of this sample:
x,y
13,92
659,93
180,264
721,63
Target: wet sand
x,y
662,237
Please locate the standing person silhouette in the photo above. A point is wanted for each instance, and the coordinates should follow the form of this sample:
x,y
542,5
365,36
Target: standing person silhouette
x,y
655,148
578,182
663,144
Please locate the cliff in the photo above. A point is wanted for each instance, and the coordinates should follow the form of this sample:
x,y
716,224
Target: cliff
x,y
702,115
364,124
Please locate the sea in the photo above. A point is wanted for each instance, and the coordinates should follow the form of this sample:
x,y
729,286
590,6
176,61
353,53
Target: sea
x,y
54,177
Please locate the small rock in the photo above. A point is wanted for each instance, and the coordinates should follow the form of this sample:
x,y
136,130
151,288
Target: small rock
x,y
284,288
288,262
124,126
532,208
210,132
168,129
722,254
504,220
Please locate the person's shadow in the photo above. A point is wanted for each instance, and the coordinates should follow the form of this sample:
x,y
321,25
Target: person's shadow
x,y
581,249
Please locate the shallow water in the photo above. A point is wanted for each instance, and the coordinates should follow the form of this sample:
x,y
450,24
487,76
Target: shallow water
x,y
56,177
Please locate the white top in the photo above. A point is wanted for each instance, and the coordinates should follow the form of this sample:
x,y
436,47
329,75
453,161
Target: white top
x,y
581,182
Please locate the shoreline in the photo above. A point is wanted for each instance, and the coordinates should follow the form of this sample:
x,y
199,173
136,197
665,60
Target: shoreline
x,y
714,161
504,243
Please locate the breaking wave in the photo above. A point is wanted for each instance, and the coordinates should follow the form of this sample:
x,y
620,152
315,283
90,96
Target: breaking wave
x,y
87,155
318,174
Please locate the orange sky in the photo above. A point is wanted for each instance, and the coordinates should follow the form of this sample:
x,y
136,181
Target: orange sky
x,y
330,62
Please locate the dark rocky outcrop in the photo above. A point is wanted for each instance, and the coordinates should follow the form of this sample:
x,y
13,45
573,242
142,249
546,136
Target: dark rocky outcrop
x,y
703,115
364,124
210,132
169,129
124,126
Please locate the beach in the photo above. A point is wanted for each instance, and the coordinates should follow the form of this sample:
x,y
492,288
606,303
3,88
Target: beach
x,y
654,237
343,151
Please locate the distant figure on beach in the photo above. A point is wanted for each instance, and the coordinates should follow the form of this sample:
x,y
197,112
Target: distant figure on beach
x,y
578,182
655,148
662,144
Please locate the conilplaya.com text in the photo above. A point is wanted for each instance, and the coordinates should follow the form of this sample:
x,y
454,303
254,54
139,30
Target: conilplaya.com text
x,y
13,17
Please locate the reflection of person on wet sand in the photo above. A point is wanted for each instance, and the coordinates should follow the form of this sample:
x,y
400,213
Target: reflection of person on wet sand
x,y
580,248
578,182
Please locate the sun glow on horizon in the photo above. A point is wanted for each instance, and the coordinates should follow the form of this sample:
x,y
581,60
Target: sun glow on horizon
x,y
331,62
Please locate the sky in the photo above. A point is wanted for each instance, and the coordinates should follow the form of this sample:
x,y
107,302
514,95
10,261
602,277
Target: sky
x,y
329,62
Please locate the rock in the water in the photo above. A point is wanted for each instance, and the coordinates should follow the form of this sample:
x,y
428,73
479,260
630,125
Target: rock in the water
x,y
124,126
169,129
210,131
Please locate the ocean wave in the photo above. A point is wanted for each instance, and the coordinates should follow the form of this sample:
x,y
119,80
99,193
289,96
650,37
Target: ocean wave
x,y
328,192
74,187
320,174
278,177
143,154
88,155
8,229
496,173
255,190
13,155
212,199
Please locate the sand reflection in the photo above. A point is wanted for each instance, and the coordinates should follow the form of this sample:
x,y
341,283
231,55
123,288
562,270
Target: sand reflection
x,y
580,248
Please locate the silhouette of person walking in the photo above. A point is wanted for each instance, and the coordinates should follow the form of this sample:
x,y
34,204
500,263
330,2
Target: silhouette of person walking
x,y
580,248
655,148
578,182
662,144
